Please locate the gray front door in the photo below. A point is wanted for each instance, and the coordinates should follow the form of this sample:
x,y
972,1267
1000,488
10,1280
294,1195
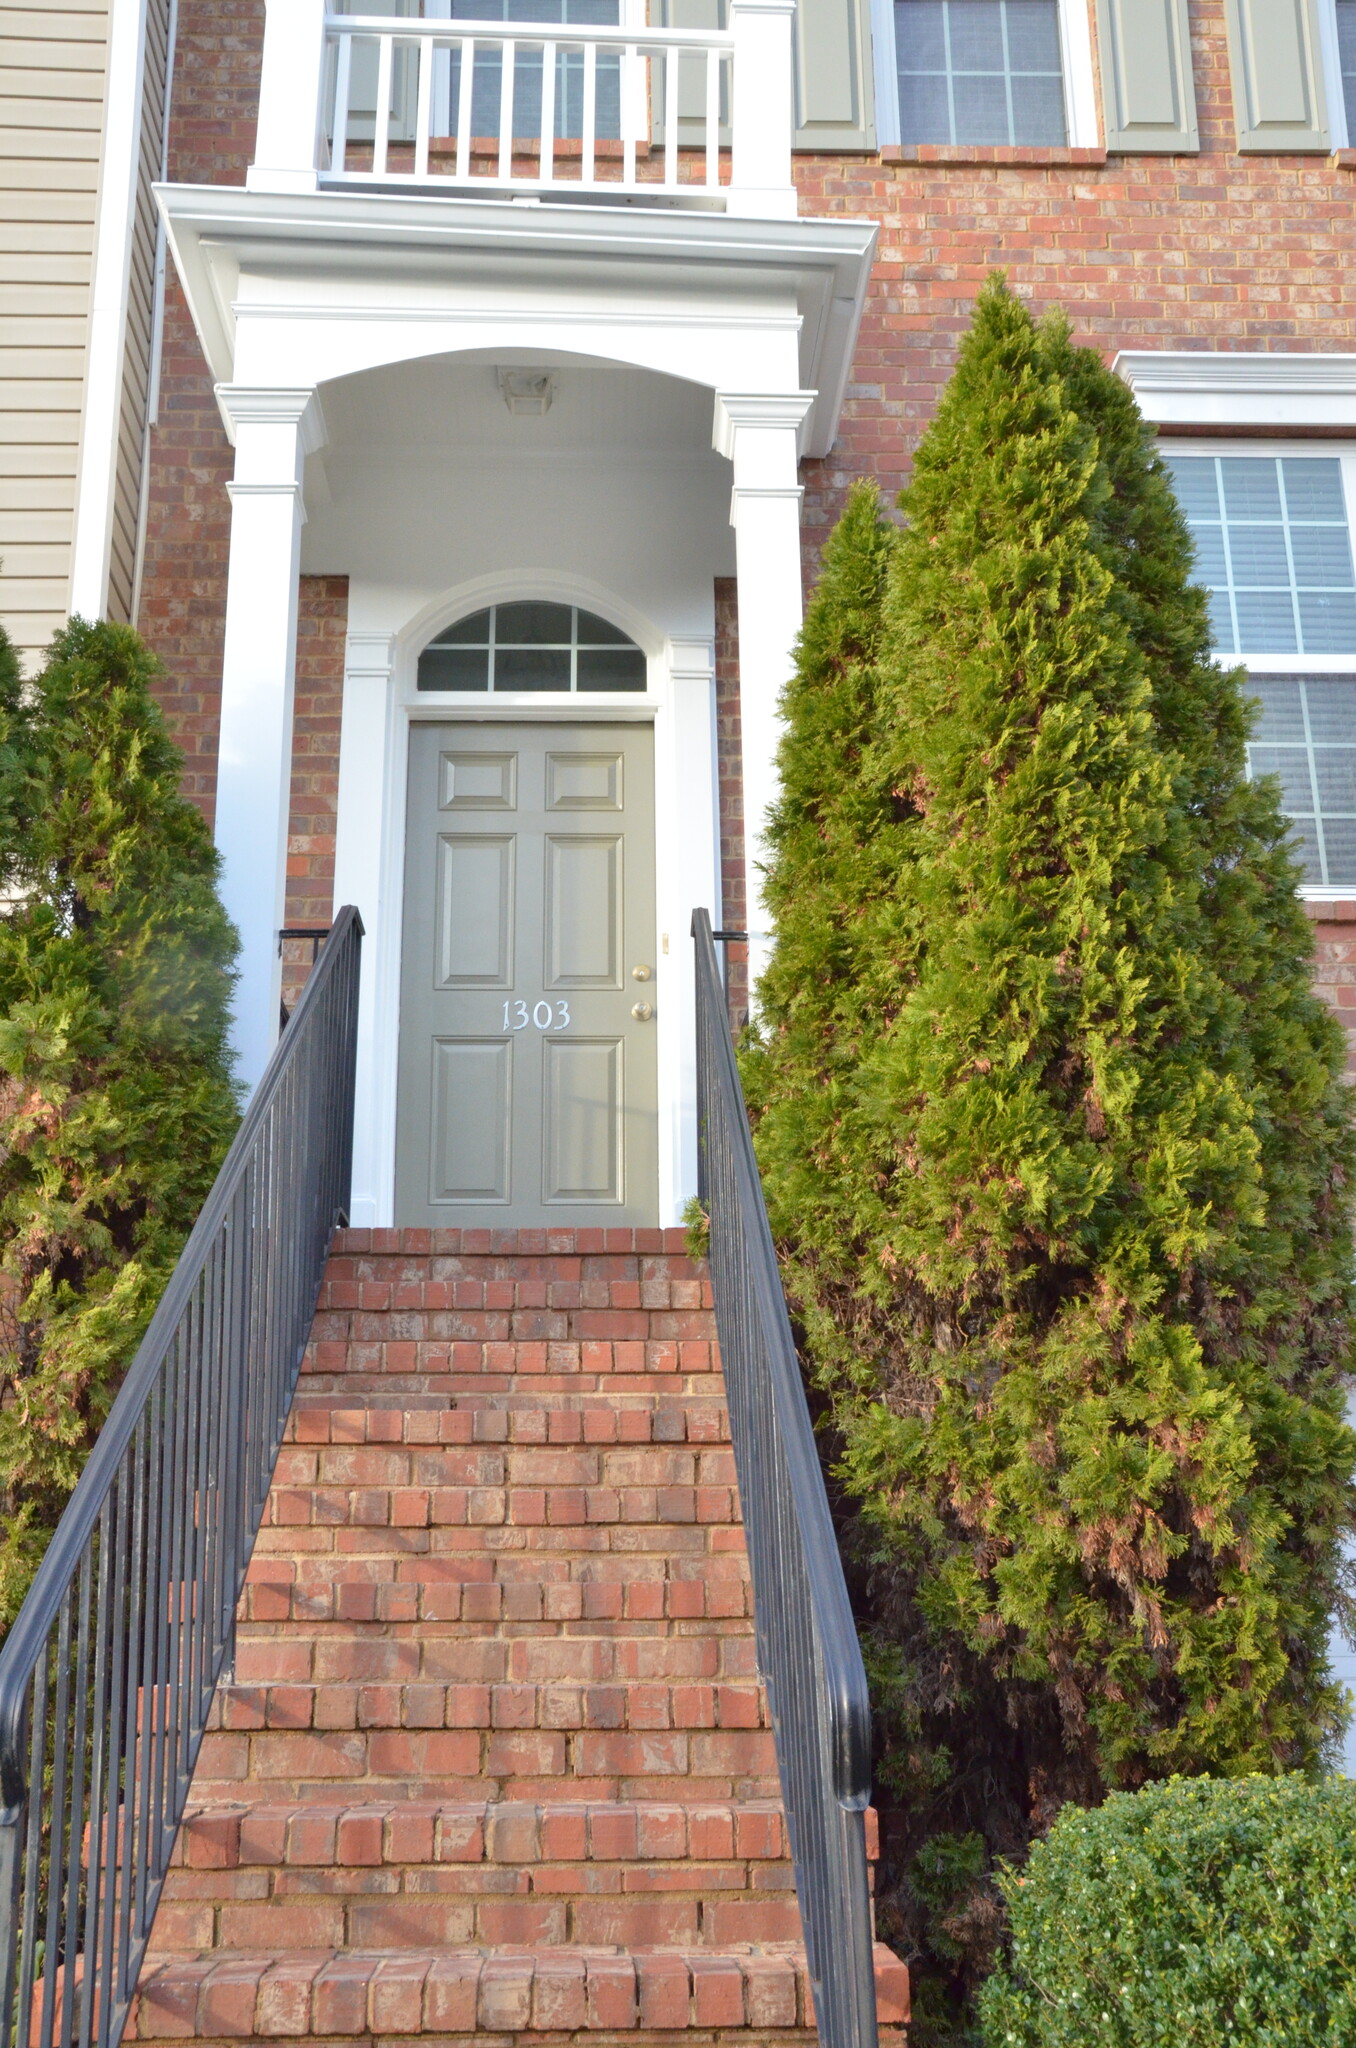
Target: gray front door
x,y
527,1083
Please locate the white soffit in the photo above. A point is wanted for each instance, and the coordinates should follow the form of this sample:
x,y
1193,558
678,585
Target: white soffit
x,y
1231,388
660,266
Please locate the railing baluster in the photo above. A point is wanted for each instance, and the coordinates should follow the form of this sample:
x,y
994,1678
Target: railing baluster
x,y
589,124
713,119
464,86
506,111
381,133
424,116
632,91
342,71
107,1676
808,1653
672,66
547,157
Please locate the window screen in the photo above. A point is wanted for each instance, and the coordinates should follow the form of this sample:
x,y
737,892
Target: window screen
x,y
1273,549
532,646
979,71
1307,736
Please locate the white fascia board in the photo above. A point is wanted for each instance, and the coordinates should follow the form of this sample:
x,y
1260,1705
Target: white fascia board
x,y
638,255
101,410
1232,388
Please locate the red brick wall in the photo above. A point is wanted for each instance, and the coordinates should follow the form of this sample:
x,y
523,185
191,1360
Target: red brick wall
x,y
1210,251
1335,965
322,629
183,591
730,774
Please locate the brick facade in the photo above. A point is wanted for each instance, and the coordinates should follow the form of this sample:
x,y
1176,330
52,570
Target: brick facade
x,y
1214,250
322,630
730,774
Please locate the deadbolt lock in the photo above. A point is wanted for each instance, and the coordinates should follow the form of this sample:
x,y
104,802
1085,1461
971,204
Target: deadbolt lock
x,y
641,973
642,1012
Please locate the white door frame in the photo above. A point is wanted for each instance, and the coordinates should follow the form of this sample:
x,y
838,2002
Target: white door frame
x,y
381,703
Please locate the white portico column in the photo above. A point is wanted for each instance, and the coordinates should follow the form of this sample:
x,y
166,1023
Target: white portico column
x,y
760,434
273,432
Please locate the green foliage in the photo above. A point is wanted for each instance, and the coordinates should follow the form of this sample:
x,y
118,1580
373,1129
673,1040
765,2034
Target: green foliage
x,y
1053,1134
116,1101
1192,1914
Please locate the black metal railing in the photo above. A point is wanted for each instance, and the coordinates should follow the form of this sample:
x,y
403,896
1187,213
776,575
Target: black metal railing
x,y
807,1642
107,1675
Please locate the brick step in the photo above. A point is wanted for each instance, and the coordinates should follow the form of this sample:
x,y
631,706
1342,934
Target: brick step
x,y
428,1378
352,1658
514,1417
561,1705
504,1874
548,1992
473,1591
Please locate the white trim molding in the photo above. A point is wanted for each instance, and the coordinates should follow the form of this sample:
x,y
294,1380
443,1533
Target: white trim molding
x,y
1239,388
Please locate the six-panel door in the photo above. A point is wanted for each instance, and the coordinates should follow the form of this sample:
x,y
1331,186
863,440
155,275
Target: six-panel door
x,y
527,1085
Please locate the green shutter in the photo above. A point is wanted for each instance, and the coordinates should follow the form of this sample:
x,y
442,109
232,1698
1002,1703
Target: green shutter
x,y
1277,69
834,99
1148,97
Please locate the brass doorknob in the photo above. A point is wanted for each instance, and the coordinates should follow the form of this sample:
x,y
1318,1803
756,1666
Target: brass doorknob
x,y
642,1012
640,973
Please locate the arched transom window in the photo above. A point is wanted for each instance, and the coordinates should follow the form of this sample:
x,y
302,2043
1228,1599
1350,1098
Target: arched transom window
x,y
532,645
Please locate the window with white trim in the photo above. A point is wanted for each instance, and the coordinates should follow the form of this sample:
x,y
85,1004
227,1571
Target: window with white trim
x,y
1273,547
980,71
1346,59
992,73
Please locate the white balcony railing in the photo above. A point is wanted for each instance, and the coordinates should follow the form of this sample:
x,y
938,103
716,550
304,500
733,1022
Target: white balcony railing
x,y
666,116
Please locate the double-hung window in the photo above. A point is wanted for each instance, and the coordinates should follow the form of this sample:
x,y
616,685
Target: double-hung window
x,y
986,73
1273,546
980,71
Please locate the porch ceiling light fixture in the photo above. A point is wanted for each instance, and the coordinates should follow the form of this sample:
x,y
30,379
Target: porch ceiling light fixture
x,y
528,391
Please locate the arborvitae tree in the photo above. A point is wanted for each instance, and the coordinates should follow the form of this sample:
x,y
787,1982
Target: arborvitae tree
x,y
1055,1142
116,1097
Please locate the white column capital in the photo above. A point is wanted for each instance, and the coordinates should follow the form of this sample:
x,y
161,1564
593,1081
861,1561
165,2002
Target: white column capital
x,y
740,414
259,405
369,657
692,661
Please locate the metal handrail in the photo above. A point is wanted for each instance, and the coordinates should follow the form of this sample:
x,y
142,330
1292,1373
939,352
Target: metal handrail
x,y
107,1676
807,1642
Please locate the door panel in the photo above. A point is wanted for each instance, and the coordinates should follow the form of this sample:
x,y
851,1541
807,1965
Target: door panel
x,y
527,1085
583,912
472,1118
475,913
583,1120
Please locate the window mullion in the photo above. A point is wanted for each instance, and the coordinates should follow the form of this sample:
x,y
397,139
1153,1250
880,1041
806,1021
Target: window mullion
x,y
1300,647
1230,593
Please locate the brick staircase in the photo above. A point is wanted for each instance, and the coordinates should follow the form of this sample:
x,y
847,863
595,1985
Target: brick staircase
x,y
495,1758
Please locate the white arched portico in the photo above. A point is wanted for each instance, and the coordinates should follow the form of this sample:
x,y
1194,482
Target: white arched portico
x,y
305,304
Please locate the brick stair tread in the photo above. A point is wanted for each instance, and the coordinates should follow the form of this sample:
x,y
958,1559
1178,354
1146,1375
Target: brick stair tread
x,y
562,1705
474,1593
373,1834
348,1994
572,1417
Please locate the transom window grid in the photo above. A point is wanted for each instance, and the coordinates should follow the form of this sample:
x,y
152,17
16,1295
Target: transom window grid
x,y
1273,549
1306,736
532,645
980,71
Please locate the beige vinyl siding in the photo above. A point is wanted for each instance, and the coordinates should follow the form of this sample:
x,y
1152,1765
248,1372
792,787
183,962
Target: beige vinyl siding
x,y
51,121
140,320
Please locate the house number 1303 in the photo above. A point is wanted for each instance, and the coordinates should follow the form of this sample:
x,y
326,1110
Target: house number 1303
x,y
546,1016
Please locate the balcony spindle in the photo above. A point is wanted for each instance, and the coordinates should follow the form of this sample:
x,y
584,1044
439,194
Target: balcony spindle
x,y
382,134
547,157
464,88
506,110
587,172
426,59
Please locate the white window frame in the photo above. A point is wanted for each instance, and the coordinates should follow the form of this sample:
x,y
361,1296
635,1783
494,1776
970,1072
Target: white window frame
x,y
1286,664
1330,57
1081,118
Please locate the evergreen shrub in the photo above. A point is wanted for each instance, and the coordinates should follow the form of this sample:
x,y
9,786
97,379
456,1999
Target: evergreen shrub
x,y
1201,1911
116,1096
1055,1144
